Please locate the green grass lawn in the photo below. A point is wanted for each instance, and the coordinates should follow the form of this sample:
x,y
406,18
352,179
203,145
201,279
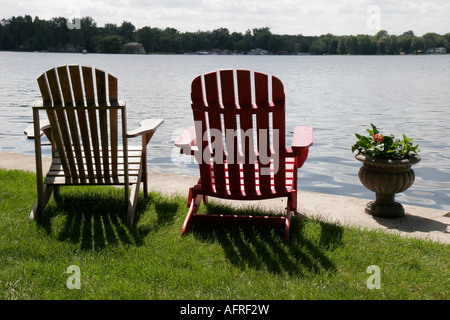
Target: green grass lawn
x,y
86,228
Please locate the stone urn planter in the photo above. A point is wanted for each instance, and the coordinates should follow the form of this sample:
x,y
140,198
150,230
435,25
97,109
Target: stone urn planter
x,y
386,177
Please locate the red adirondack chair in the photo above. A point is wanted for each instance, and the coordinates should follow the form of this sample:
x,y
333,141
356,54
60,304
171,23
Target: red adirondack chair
x,y
238,141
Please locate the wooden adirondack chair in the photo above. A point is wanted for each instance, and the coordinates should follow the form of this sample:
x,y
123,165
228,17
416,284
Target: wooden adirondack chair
x,y
87,130
238,141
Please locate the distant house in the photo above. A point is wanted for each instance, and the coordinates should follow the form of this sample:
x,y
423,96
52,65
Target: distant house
x,y
440,50
258,52
133,47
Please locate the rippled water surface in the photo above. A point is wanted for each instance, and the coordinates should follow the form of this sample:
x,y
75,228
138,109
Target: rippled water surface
x,y
337,95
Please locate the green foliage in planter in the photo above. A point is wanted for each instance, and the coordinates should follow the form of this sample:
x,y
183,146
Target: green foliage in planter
x,y
379,146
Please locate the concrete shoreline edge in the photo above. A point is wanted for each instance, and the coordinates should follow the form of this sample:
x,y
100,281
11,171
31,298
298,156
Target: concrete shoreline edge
x,y
419,222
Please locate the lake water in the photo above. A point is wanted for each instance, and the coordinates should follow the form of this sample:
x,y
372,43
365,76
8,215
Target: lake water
x,y
337,95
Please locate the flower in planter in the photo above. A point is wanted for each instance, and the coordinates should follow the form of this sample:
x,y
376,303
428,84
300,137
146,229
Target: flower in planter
x,y
379,146
379,137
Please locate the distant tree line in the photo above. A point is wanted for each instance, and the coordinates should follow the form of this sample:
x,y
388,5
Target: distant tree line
x,y
23,33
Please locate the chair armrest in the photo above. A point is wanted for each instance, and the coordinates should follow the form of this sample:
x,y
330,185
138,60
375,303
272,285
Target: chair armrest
x,y
186,141
146,126
303,138
29,131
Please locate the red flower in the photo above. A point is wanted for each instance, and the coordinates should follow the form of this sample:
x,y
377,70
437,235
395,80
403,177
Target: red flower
x,y
379,137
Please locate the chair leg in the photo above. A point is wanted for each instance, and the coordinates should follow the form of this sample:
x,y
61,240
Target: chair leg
x,y
287,221
38,209
56,192
132,201
145,140
145,182
144,176
193,208
132,204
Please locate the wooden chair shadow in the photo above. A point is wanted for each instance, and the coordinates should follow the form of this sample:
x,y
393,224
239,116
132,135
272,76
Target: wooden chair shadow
x,y
263,248
93,219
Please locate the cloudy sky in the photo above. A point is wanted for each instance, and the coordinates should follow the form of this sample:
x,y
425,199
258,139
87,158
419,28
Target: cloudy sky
x,y
307,17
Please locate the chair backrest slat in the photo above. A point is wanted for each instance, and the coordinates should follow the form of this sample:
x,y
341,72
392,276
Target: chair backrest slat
x,y
77,87
263,129
57,139
82,120
246,124
61,130
114,140
203,155
92,117
72,123
104,141
113,95
45,90
215,129
103,118
101,86
54,87
113,88
82,107
278,98
88,85
230,123
65,86
252,129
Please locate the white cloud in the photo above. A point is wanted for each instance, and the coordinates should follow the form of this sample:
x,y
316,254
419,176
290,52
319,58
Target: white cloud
x,y
308,17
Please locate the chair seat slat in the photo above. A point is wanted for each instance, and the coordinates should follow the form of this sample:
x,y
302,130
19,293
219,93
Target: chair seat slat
x,y
118,180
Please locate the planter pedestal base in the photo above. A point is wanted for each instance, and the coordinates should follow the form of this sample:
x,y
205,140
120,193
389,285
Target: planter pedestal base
x,y
386,178
385,210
